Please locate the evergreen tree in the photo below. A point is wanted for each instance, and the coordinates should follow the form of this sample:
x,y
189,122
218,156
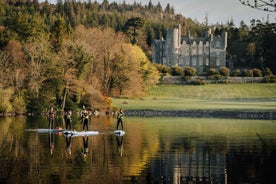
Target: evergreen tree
x,y
131,28
57,34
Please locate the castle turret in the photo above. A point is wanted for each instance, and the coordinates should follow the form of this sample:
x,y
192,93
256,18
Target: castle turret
x,y
224,36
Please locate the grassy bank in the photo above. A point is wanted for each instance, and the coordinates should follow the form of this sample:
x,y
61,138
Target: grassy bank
x,y
253,97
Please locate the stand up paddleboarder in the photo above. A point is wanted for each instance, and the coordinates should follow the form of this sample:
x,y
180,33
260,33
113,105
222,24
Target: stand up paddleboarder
x,y
120,116
51,117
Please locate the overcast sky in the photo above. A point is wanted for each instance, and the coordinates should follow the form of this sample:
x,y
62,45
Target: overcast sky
x,y
217,11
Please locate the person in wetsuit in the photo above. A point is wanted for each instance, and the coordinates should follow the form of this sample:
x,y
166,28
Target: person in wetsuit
x,y
68,120
85,119
51,116
120,116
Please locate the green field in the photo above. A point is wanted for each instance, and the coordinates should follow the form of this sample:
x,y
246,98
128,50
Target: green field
x,y
252,97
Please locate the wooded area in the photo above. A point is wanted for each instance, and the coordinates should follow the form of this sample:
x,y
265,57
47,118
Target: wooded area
x,y
73,53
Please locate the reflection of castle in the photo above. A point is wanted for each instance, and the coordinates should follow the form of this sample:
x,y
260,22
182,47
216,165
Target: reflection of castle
x,y
200,52
197,166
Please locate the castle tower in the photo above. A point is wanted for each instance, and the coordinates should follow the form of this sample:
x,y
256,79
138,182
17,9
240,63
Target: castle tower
x,y
224,36
173,45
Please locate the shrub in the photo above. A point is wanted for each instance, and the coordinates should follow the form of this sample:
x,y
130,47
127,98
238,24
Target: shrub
x,y
236,73
224,71
164,70
267,71
247,73
257,72
212,72
189,71
270,79
177,71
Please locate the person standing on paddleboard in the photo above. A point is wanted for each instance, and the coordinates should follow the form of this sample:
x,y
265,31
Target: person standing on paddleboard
x,y
68,120
85,118
51,116
120,116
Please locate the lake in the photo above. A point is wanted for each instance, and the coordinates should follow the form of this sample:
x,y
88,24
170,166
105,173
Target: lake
x,y
153,150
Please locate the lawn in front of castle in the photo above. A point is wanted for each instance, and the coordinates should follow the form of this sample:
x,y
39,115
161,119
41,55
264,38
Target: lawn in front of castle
x,y
232,97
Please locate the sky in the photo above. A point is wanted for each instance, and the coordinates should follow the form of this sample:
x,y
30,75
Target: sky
x,y
217,11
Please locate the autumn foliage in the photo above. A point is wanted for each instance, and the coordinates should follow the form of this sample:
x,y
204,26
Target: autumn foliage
x,y
91,65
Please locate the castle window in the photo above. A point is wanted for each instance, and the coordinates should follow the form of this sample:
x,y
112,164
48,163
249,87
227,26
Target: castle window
x,y
187,62
207,61
194,61
200,48
217,44
217,61
200,62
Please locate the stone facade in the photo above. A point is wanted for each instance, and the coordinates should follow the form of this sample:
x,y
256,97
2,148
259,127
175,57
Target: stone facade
x,y
201,53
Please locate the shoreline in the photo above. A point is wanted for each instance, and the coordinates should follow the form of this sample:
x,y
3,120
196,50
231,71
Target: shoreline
x,y
254,115
267,115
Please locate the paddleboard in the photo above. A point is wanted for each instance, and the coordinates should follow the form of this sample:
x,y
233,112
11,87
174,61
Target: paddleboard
x,y
82,133
45,130
119,132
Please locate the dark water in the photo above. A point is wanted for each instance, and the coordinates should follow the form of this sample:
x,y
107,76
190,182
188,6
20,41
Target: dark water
x,y
153,150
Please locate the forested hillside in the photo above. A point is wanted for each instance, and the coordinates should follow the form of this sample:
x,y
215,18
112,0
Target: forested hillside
x,y
76,53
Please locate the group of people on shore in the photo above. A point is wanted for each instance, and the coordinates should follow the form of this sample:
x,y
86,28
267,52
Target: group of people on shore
x,y
84,118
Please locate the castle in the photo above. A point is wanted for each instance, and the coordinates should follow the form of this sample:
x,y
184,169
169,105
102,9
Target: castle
x,y
200,53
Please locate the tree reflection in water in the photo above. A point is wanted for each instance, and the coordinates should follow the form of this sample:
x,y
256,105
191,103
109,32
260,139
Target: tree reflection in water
x,y
153,150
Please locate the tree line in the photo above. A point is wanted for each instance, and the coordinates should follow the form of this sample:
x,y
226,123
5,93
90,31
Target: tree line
x,y
74,53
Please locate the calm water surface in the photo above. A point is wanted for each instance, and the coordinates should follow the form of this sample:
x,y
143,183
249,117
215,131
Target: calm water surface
x,y
153,150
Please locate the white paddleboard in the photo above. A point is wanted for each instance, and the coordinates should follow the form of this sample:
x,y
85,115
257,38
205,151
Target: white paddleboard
x,y
45,130
119,132
82,133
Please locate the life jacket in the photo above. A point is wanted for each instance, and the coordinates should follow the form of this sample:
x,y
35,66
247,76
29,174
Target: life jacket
x,y
120,115
86,115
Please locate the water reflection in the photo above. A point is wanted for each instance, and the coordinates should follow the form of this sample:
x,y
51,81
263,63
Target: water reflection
x,y
85,146
68,140
51,142
197,165
120,140
153,150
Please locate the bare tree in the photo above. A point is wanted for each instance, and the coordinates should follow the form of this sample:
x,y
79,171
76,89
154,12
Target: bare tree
x,y
39,55
103,46
12,66
265,5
